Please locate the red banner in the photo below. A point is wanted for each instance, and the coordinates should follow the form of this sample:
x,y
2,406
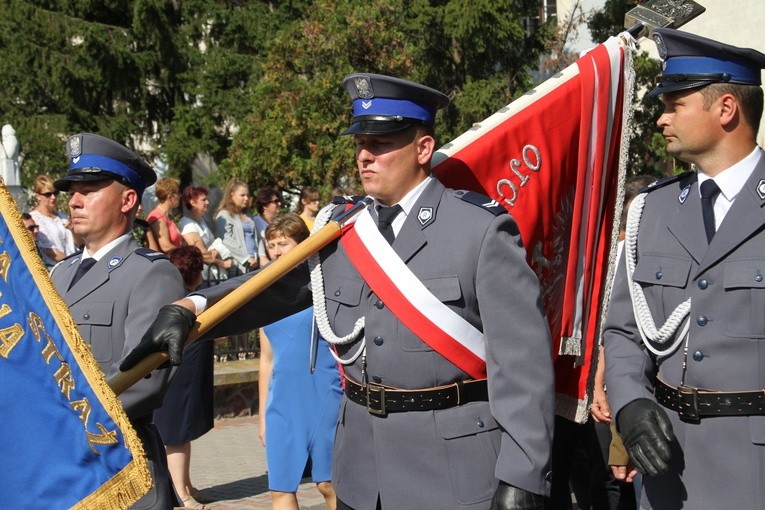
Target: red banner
x,y
552,158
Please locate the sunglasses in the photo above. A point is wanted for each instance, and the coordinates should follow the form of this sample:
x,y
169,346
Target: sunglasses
x,y
275,201
32,228
49,194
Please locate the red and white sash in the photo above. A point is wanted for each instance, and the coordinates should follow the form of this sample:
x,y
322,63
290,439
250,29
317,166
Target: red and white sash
x,y
410,301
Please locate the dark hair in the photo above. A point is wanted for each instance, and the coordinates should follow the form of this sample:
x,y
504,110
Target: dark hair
x,y
191,193
307,193
26,216
749,98
290,225
188,260
337,191
265,196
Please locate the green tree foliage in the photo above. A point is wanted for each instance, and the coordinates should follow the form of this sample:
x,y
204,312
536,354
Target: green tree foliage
x,y
648,148
170,79
175,80
66,68
222,43
477,51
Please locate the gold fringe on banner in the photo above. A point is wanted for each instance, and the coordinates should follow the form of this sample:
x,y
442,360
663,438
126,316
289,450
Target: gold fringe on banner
x,y
133,481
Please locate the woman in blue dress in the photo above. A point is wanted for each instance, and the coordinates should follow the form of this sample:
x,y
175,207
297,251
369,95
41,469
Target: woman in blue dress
x,y
298,409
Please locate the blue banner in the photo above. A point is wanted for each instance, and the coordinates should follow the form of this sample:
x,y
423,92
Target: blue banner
x,y
65,441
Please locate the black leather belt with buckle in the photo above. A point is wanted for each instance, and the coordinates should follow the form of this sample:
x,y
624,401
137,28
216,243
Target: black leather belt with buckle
x,y
381,400
692,404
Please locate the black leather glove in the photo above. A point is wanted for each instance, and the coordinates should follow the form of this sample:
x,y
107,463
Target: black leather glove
x,y
168,332
647,433
509,497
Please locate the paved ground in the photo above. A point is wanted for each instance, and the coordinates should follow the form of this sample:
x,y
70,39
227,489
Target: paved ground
x,y
229,464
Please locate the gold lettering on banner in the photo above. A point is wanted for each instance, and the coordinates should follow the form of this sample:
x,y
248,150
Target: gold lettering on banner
x,y
35,324
65,381
9,337
63,377
51,350
5,265
83,409
106,437
532,160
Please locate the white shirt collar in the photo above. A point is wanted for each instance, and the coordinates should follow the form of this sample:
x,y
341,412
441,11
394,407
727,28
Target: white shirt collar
x,y
104,249
410,198
732,179
406,203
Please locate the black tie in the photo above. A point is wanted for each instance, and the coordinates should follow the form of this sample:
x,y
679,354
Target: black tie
x,y
85,265
709,191
385,216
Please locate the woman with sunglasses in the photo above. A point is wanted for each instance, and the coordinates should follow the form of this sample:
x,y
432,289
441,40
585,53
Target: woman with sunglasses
x,y
55,239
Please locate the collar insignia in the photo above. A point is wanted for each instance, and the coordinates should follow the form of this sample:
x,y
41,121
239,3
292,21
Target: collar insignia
x,y
761,189
114,262
425,215
684,194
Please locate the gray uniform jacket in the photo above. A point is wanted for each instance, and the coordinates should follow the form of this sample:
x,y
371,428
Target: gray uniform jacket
x,y
113,304
719,462
473,261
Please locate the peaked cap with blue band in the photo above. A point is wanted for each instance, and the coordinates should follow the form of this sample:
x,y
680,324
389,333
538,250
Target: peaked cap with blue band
x,y
692,61
94,158
384,104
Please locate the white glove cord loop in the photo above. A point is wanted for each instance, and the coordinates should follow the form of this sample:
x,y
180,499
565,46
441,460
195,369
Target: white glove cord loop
x,y
320,304
645,323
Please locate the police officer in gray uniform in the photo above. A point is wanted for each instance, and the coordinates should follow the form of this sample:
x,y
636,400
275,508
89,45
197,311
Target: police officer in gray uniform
x,y
415,430
685,332
114,287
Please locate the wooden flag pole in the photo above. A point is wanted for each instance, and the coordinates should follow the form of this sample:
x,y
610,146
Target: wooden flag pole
x,y
239,296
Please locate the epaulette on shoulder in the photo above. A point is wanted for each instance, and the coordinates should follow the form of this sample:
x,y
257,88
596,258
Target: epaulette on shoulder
x,y
482,201
347,199
151,254
75,254
66,260
666,181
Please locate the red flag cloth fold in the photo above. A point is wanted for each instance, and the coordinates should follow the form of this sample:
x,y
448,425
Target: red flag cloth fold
x,y
552,158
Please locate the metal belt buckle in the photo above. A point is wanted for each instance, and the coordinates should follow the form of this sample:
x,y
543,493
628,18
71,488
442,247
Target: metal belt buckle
x,y
381,390
688,398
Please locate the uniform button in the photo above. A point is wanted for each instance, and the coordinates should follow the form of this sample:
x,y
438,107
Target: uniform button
x,y
698,356
549,477
480,423
378,340
337,293
702,320
86,316
703,284
379,304
659,275
758,278
377,379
